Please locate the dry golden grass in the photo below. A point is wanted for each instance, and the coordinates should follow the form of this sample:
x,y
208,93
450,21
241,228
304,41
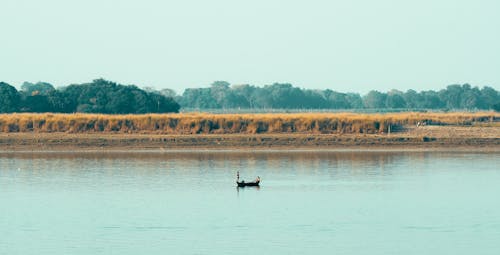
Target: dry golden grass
x,y
205,123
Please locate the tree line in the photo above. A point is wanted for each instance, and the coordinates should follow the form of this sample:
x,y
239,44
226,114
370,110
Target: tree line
x,y
102,96
98,96
222,95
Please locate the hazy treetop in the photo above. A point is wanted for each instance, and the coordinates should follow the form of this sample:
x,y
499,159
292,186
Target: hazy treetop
x,y
342,45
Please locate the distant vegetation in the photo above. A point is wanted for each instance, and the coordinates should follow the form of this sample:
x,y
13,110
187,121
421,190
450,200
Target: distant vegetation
x,y
203,123
101,96
222,95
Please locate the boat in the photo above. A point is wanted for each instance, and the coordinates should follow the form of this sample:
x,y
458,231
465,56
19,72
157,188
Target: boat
x,y
247,184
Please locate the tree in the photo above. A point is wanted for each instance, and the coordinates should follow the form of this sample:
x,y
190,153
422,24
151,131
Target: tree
x,y
431,100
36,103
451,96
337,100
102,96
262,98
119,101
200,98
490,97
166,104
9,98
355,100
375,99
496,107
285,96
395,99
413,99
313,99
220,92
39,88
471,98
168,93
58,102
246,94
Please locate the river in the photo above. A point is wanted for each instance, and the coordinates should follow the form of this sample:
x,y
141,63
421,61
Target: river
x,y
309,202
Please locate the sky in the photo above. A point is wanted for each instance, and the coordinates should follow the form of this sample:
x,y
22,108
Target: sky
x,y
348,46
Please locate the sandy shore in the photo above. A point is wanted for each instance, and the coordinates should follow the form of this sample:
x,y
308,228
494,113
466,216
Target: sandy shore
x,y
428,137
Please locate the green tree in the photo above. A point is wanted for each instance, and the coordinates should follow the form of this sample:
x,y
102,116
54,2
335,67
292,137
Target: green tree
x,y
471,98
220,92
413,99
337,100
36,103
496,107
199,98
262,98
9,98
355,100
58,102
102,96
395,100
490,97
375,100
451,96
39,88
285,96
245,94
431,100
314,99
168,93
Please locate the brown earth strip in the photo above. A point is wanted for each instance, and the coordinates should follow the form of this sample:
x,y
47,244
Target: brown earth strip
x,y
412,137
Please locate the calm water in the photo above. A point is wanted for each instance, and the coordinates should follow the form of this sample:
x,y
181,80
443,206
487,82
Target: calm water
x,y
309,203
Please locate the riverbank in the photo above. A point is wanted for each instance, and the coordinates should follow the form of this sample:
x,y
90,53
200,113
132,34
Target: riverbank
x,y
244,124
426,137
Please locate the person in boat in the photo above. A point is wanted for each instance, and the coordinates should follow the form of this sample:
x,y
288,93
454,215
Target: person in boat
x,y
238,177
257,180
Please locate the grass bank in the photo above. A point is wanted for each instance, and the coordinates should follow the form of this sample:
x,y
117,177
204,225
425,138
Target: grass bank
x,y
204,123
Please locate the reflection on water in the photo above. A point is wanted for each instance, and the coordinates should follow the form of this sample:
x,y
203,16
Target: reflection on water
x,y
222,166
309,202
365,163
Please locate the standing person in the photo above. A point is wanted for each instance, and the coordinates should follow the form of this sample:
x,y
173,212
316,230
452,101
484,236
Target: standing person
x,y
238,177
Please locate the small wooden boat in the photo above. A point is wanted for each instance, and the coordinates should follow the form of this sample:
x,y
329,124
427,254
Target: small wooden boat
x,y
246,184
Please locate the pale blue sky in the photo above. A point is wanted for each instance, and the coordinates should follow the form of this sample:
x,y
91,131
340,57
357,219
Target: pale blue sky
x,y
342,45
